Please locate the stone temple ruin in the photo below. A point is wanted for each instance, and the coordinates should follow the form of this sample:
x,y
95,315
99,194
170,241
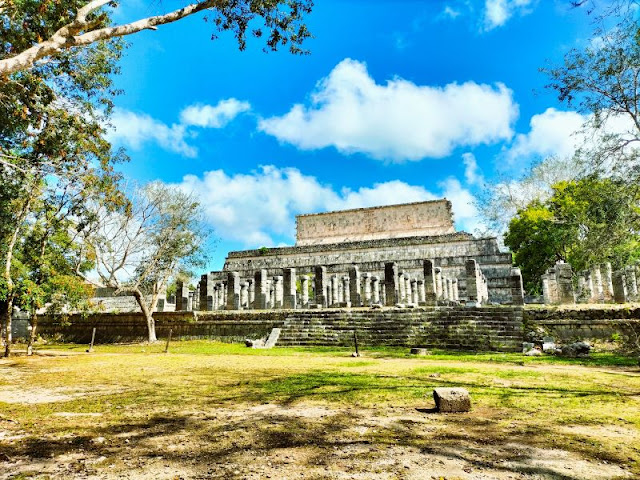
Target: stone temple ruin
x,y
407,254
598,284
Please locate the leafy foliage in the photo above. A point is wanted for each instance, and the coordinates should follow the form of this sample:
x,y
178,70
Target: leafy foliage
x,y
584,222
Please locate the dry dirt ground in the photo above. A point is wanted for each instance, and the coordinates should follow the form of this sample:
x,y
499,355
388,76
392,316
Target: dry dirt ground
x,y
146,427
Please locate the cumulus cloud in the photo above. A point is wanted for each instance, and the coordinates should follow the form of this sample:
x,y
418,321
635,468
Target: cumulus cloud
x,y
257,207
134,130
498,12
397,121
472,173
213,116
553,133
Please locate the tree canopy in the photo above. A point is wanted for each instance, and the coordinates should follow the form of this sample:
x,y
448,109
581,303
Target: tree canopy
x,y
584,222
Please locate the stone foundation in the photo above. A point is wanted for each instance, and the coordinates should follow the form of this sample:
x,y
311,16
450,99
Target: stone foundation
x,y
485,328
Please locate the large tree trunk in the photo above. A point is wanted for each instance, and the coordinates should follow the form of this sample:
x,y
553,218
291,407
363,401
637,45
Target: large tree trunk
x,y
148,315
7,314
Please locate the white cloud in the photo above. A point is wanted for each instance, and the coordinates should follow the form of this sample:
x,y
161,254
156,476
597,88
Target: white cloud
x,y
134,130
213,116
450,12
472,173
498,12
255,208
552,133
398,121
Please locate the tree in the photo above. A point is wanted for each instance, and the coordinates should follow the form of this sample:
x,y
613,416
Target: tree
x,y
584,222
46,29
137,250
602,81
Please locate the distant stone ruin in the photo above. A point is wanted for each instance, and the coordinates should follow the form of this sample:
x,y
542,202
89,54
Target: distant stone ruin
x,y
599,284
398,255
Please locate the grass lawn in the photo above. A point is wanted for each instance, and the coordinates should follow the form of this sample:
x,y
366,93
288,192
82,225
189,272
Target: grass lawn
x,y
213,410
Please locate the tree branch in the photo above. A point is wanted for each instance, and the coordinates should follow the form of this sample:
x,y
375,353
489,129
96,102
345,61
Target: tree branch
x,y
70,35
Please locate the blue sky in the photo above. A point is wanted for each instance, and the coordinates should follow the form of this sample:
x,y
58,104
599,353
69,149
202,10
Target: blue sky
x,y
399,101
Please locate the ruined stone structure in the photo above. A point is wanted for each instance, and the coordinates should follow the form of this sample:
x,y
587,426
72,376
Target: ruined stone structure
x,y
406,254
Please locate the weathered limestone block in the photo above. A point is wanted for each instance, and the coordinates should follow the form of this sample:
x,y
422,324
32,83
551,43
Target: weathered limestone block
x,y
321,283
414,291
448,292
452,400
261,289
233,291
252,292
355,287
346,292
421,292
619,287
289,299
391,284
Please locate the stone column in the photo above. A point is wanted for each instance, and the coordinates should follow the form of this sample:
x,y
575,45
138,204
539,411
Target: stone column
x,y
329,292
272,294
252,292
607,281
564,279
584,293
334,290
449,289
290,293
402,291
190,302
474,288
430,289
261,290
182,297
391,284
517,289
233,291
355,287
304,293
619,287
340,290
437,271
346,289
383,292
206,292
321,286
375,289
596,278
278,291
244,295
454,289
366,284
414,291
632,282
407,287
421,292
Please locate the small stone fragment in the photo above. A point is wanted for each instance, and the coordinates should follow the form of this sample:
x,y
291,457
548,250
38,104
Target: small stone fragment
x,y
452,400
533,353
419,351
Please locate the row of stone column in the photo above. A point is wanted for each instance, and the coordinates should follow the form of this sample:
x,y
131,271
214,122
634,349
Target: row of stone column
x,y
598,284
356,289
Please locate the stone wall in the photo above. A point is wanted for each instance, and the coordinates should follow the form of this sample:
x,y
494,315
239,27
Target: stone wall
x,y
486,328
569,324
392,221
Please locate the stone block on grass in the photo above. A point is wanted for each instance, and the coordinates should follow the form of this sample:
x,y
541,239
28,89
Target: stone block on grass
x,y
452,400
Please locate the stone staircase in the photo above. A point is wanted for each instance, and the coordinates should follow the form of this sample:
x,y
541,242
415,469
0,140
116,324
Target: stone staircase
x,y
442,327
